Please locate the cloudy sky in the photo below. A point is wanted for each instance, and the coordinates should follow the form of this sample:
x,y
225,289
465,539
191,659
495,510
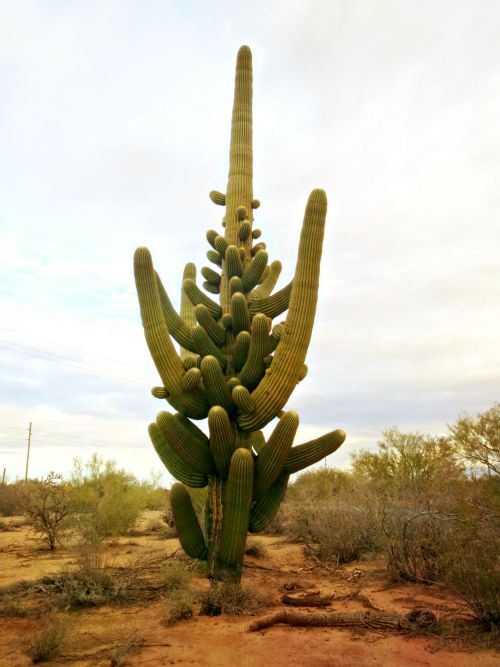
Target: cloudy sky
x,y
114,126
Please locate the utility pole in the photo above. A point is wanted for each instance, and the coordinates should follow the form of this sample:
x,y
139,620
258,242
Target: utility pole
x,y
28,454
3,476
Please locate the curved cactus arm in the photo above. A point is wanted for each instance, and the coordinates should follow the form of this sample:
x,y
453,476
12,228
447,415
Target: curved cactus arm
x,y
189,449
217,197
253,370
268,284
205,346
273,305
238,501
233,263
218,392
186,522
240,313
186,310
257,441
254,271
210,275
269,462
177,327
280,379
196,296
311,452
205,319
240,350
191,379
192,429
266,509
243,400
165,357
173,463
222,440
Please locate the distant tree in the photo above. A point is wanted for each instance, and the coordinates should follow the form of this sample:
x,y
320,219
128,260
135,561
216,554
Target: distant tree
x,y
409,461
108,501
46,505
477,439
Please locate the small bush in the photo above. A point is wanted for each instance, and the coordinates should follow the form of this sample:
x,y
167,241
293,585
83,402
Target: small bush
x,y
340,532
255,548
10,499
176,577
231,599
46,644
89,588
9,606
154,525
180,607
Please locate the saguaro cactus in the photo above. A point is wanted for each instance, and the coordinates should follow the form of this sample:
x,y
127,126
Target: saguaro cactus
x,y
234,367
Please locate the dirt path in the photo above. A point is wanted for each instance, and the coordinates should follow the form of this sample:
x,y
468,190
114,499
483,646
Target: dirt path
x,y
96,636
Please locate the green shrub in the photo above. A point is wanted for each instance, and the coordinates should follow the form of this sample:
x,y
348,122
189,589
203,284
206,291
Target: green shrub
x,y
46,644
88,588
176,577
232,600
180,607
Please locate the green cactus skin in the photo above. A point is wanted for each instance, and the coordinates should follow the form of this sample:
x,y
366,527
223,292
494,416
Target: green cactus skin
x,y
160,392
243,400
173,463
253,370
222,440
218,392
190,535
267,507
191,379
238,501
240,350
189,449
218,198
270,461
239,313
245,230
214,257
254,271
303,456
234,367
205,320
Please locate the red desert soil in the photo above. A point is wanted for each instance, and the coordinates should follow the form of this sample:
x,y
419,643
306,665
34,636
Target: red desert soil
x,y
225,641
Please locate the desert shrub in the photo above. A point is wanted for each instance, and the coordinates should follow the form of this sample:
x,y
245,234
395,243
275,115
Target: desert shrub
x,y
47,643
46,504
340,532
154,525
278,524
12,607
88,588
320,484
10,499
107,503
415,542
232,599
176,577
180,606
256,548
471,554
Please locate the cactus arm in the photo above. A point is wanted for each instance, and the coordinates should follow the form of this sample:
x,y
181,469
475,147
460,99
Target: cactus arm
x,y
238,500
166,359
189,449
311,452
240,350
240,313
257,441
218,392
173,463
253,369
268,284
234,265
273,305
222,441
196,296
280,379
214,257
205,319
191,379
243,400
186,522
266,509
205,346
177,327
254,270
217,197
269,463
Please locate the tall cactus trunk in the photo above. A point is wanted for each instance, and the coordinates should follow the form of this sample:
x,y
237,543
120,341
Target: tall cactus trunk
x,y
232,367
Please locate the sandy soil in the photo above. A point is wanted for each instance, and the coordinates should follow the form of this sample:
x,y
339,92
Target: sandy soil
x,y
97,635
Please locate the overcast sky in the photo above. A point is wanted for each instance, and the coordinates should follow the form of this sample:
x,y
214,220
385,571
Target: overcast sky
x,y
114,126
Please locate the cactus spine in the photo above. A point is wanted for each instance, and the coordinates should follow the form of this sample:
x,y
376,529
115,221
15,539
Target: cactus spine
x,y
233,367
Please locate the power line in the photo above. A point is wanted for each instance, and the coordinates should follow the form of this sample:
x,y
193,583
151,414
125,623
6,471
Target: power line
x,y
74,349
87,368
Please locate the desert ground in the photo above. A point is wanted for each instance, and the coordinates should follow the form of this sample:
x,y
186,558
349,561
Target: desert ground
x,y
135,633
